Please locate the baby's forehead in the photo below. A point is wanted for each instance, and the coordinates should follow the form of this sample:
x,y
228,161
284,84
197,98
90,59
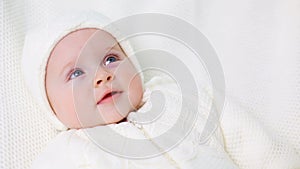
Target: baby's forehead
x,y
83,42
74,42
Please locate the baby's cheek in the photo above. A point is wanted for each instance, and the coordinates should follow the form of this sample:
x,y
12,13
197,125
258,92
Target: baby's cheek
x,y
65,110
135,91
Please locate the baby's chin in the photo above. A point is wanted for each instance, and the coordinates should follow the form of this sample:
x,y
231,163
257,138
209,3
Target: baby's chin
x,y
108,116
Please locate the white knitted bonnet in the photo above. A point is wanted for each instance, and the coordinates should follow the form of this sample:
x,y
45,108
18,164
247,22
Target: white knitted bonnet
x,y
40,41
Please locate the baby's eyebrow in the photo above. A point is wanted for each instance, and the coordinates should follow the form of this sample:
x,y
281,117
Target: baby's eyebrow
x,y
64,68
108,49
113,49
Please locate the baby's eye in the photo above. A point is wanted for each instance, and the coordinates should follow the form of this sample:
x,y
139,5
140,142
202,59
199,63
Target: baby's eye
x,y
111,58
75,74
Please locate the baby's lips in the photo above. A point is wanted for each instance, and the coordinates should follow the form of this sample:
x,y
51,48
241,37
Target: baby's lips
x,y
100,95
107,94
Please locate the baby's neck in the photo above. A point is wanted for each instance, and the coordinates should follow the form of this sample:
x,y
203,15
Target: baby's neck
x,y
123,120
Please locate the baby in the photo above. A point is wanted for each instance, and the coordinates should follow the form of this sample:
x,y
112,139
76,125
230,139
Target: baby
x,y
89,82
86,80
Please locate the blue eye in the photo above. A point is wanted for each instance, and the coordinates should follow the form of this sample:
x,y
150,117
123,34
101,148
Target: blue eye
x,y
108,60
76,74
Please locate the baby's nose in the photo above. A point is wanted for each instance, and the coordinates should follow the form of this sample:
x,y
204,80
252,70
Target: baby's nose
x,y
103,77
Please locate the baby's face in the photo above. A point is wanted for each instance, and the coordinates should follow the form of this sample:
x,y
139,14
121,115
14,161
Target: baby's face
x,y
89,80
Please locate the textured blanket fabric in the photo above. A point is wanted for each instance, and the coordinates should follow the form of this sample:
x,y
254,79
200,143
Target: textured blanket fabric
x,y
251,145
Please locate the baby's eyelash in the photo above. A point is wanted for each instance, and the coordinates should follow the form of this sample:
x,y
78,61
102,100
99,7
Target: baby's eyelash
x,y
74,73
112,57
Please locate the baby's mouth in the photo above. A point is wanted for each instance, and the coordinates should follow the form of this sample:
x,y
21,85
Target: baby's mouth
x,y
108,97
